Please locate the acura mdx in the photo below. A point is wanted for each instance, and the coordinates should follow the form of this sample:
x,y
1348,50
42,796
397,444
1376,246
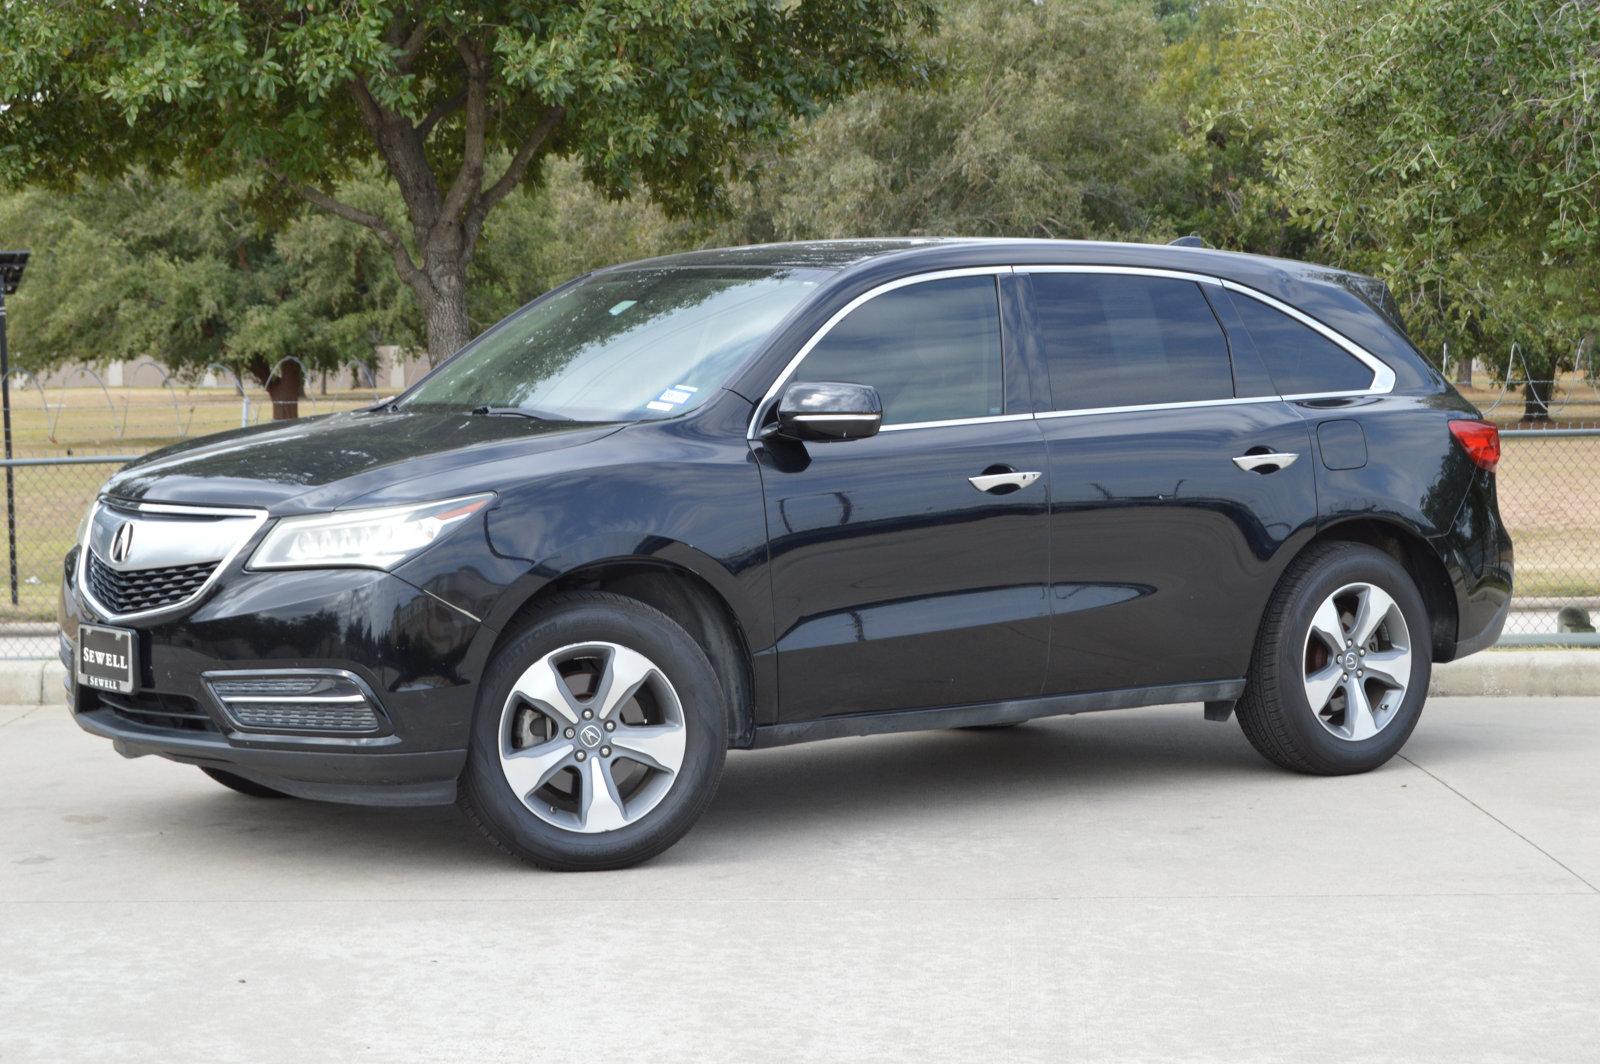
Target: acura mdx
x,y
767,495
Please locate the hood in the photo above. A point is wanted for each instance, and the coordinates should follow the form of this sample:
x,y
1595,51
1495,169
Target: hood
x,y
321,463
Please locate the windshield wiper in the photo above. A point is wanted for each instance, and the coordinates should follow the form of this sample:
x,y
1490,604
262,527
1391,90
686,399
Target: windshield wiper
x,y
517,411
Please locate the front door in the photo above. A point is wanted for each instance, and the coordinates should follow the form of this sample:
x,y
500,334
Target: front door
x,y
897,582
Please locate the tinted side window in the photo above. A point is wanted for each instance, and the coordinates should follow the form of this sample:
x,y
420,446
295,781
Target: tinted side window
x,y
931,349
1300,359
1125,340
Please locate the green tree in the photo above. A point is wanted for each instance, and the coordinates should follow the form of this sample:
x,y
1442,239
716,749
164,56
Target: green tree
x,y
458,103
1039,123
138,267
1226,192
1451,147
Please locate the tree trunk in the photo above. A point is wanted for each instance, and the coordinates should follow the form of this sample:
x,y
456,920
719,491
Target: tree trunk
x,y
444,309
285,391
1464,371
1536,396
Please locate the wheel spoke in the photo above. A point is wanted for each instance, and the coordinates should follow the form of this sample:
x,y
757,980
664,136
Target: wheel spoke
x,y
1325,626
543,686
657,746
1358,711
602,806
1392,667
1375,606
530,768
1321,685
626,671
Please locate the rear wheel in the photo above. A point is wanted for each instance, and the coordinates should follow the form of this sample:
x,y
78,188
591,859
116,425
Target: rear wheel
x,y
599,736
1341,664
242,785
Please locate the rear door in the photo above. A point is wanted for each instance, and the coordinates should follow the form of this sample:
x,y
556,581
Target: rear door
x,y
898,583
1176,483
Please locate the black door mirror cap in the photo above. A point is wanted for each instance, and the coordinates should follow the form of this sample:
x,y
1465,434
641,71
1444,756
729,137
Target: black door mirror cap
x,y
829,410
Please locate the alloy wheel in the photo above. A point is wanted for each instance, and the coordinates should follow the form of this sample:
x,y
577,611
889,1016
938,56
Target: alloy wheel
x,y
1357,662
592,737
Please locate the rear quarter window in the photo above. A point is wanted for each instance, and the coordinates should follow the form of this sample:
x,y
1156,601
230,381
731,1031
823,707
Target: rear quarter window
x,y
1300,360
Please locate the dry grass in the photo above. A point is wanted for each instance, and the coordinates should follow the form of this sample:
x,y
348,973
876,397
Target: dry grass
x,y
1550,500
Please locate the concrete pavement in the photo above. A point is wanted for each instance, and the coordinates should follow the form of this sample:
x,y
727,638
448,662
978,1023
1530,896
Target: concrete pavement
x,y
1120,886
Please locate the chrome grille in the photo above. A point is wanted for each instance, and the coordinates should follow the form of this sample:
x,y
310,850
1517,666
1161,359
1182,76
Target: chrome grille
x,y
135,590
143,558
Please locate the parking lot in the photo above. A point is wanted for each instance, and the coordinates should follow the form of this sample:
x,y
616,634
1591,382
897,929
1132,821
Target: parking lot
x,y
1133,886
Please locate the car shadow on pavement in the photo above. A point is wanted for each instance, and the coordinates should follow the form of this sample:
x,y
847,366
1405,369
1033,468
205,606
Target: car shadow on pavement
x,y
1053,760
782,797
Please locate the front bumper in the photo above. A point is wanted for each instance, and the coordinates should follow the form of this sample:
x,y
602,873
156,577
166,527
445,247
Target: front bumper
x,y
418,656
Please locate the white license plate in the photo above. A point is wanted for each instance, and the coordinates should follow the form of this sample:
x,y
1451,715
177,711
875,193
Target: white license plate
x,y
106,658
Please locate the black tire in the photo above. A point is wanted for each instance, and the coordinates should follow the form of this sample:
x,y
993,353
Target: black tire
x,y
488,799
1276,714
242,785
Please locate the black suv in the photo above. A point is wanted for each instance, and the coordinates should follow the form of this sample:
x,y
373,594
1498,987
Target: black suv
x,y
765,495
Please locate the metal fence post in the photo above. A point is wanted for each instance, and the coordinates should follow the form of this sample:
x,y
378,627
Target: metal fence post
x,y
5,405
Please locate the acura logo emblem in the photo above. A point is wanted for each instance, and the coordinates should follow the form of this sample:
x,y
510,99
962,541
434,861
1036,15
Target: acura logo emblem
x,y
590,735
122,543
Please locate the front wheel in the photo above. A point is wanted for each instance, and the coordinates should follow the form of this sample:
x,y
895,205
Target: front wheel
x,y
598,738
1341,664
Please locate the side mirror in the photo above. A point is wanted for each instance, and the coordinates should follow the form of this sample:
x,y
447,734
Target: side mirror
x,y
829,411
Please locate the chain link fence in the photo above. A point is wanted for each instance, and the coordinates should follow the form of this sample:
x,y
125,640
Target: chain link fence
x,y
45,500
1549,487
1549,484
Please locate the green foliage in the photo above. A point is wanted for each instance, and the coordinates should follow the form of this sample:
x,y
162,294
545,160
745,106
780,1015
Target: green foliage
x,y
138,267
1447,146
298,98
1226,193
1039,123
1451,147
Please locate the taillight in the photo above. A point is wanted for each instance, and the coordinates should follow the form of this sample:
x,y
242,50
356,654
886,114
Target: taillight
x,y
1481,441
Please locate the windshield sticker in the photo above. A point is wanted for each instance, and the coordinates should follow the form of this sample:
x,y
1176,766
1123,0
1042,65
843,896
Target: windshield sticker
x,y
657,405
620,307
674,395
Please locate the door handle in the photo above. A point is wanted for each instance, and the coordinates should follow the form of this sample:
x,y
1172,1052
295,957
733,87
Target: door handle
x,y
1257,463
1002,483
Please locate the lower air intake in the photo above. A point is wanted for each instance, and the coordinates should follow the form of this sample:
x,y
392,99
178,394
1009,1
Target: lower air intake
x,y
301,717
301,703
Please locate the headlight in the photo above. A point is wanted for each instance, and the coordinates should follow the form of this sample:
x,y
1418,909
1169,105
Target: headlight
x,y
371,539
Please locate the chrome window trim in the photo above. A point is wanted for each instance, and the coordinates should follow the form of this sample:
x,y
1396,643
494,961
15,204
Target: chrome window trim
x,y
872,293
1140,408
953,422
256,516
1383,377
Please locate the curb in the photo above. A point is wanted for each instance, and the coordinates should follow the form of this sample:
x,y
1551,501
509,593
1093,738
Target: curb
x,y
32,683
1494,672
1519,672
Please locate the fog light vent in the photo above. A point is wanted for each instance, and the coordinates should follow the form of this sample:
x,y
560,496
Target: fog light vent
x,y
321,702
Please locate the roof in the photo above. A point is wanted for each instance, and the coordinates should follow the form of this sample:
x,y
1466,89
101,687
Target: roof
x,y
938,251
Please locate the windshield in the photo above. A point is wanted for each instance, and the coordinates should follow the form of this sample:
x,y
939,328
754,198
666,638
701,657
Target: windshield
x,y
626,346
